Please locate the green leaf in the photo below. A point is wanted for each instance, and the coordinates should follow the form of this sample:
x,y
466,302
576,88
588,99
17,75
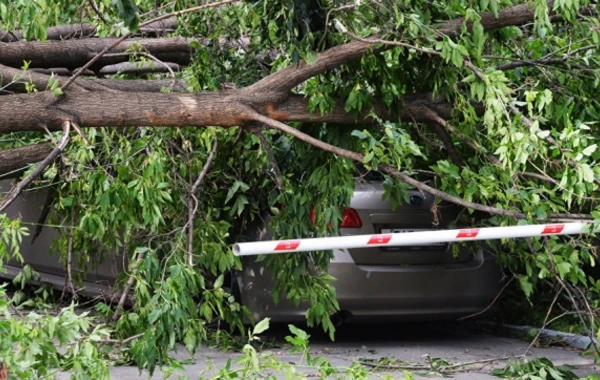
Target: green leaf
x,y
261,326
219,281
240,202
299,333
563,269
589,150
360,134
127,11
526,286
312,57
237,186
588,173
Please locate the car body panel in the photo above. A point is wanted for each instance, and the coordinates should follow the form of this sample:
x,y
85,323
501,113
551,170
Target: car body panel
x,y
402,283
415,283
40,255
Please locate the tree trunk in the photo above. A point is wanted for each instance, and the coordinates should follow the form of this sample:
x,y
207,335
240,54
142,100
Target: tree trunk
x,y
119,68
72,54
14,80
19,113
13,160
67,32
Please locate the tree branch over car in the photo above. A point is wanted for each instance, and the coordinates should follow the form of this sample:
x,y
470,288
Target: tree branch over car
x,y
491,109
224,109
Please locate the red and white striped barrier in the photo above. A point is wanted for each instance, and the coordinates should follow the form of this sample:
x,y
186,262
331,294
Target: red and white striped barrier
x,y
407,238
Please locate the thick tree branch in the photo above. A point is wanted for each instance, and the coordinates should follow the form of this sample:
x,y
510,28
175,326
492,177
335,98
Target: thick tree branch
x,y
403,177
290,77
119,109
118,68
17,189
510,16
285,80
139,68
13,161
61,32
73,54
67,32
15,80
448,144
414,107
226,109
116,43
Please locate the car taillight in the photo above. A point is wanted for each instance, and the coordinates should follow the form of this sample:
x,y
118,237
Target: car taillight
x,y
351,219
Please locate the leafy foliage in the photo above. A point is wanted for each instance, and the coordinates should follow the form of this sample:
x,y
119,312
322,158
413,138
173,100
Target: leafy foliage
x,y
253,364
538,369
523,122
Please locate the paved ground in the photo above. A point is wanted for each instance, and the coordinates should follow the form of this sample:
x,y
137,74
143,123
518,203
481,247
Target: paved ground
x,y
408,342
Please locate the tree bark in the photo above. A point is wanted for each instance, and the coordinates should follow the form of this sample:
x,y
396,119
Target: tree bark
x,y
67,32
94,109
72,54
511,16
119,68
19,113
60,32
15,81
13,160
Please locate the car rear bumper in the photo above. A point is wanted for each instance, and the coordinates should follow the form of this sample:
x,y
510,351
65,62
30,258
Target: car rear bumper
x,y
409,293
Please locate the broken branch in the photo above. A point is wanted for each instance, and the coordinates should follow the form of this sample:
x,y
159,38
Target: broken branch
x,y
193,201
129,34
403,177
17,189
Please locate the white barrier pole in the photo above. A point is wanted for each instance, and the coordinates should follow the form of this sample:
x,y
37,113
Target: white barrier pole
x,y
408,238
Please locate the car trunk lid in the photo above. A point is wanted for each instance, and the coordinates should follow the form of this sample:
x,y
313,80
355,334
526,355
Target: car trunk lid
x,y
420,214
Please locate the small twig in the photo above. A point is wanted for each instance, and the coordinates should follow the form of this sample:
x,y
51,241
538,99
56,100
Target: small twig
x,y
70,285
537,336
238,137
271,155
544,61
441,132
128,34
548,138
16,190
121,342
80,133
193,201
97,11
589,329
483,361
393,43
435,117
491,303
130,282
442,369
169,69
340,8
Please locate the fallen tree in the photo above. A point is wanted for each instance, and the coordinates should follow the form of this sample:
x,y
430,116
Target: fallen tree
x,y
464,104
17,159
